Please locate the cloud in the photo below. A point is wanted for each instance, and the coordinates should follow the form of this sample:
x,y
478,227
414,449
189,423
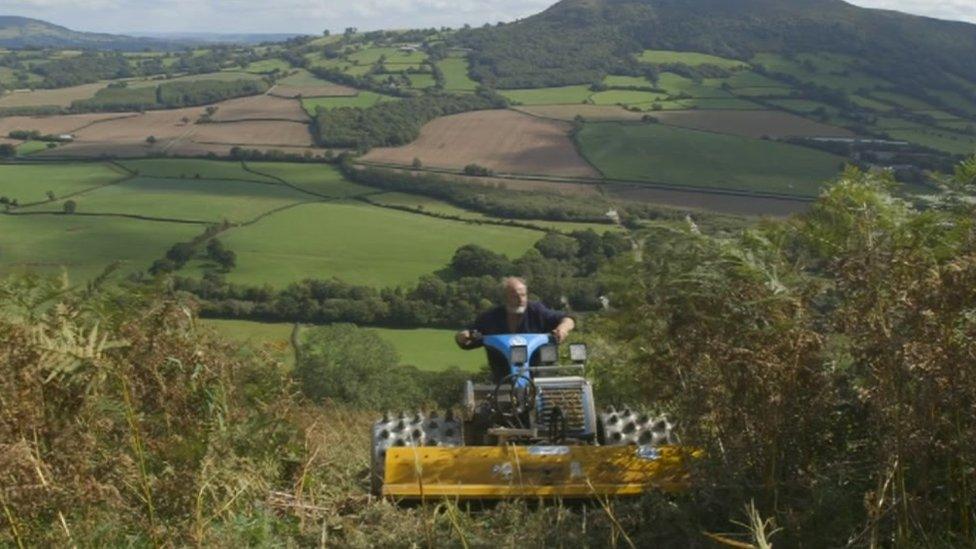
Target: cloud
x,y
311,16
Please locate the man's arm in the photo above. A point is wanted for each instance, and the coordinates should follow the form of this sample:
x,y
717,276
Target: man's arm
x,y
562,330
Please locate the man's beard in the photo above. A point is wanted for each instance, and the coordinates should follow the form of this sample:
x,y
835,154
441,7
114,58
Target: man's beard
x,y
515,310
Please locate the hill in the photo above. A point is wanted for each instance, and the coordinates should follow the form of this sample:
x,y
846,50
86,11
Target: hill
x,y
24,32
534,52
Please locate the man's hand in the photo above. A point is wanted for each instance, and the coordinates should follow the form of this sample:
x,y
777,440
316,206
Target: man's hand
x,y
561,331
467,339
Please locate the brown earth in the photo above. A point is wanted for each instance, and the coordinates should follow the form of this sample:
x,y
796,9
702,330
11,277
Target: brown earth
x,y
260,107
68,123
595,113
750,123
255,132
714,202
502,140
62,97
331,90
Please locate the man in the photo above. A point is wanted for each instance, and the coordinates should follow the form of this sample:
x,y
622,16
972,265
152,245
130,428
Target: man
x,y
517,316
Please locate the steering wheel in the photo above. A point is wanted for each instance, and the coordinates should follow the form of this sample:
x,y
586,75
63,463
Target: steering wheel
x,y
520,399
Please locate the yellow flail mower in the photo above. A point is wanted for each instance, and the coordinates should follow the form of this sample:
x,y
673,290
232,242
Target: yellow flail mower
x,y
533,434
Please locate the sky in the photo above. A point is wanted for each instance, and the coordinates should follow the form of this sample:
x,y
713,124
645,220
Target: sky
x,y
312,16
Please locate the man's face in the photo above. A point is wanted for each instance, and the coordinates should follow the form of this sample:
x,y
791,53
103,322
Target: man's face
x,y
516,298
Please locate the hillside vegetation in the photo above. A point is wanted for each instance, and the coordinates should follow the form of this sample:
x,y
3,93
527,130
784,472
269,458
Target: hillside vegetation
x,y
820,362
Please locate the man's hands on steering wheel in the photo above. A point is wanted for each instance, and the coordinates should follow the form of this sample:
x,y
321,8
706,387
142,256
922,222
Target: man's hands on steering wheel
x,y
521,398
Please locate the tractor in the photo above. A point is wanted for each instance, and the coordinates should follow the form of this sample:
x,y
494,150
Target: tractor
x,y
533,433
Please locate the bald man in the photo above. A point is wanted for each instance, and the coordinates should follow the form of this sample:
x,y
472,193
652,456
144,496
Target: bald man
x,y
517,315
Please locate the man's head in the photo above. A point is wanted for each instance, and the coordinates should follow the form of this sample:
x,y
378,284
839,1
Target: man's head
x,y
515,295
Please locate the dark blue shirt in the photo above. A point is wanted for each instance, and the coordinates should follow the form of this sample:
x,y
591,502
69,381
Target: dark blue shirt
x,y
537,319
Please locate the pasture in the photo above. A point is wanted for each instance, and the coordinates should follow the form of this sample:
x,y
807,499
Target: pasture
x,y
431,349
549,96
362,99
371,55
320,179
680,86
358,243
627,82
589,112
268,65
426,204
31,182
625,97
675,156
750,123
61,97
273,337
193,169
222,76
456,77
27,148
660,57
84,245
505,141
201,200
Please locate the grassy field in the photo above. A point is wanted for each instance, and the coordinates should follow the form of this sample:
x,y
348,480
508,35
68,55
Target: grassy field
x,y
31,182
268,65
431,349
358,243
28,148
187,199
627,82
84,245
833,71
321,179
371,55
303,78
456,77
549,96
901,100
625,97
677,84
193,169
363,99
274,338
421,81
666,56
676,156
223,75
432,205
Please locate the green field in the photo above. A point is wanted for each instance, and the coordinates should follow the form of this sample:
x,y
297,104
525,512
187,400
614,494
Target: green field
x,y
193,169
676,84
274,338
900,100
869,103
84,245
425,348
549,96
358,243
432,205
302,77
431,349
321,179
421,81
362,99
625,97
185,199
833,71
949,142
627,82
31,182
659,57
28,148
370,56
223,75
456,77
675,156
268,65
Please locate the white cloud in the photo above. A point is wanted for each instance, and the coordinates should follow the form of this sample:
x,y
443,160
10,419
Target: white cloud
x,y
959,10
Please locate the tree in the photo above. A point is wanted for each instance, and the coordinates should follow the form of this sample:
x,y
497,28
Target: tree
x,y
326,32
151,140
474,260
50,195
353,365
7,150
70,206
417,164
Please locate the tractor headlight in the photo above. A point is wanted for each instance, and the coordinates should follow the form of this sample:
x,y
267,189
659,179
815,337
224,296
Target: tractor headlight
x,y
549,354
577,352
520,354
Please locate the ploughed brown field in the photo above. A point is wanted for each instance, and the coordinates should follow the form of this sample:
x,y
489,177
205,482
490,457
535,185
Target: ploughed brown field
x,y
260,107
502,140
329,90
750,123
60,124
61,97
593,113
254,132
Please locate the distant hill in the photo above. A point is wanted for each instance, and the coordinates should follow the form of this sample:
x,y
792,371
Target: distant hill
x,y
24,32
576,41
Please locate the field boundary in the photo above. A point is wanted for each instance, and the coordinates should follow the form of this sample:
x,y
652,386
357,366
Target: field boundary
x,y
293,186
107,214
